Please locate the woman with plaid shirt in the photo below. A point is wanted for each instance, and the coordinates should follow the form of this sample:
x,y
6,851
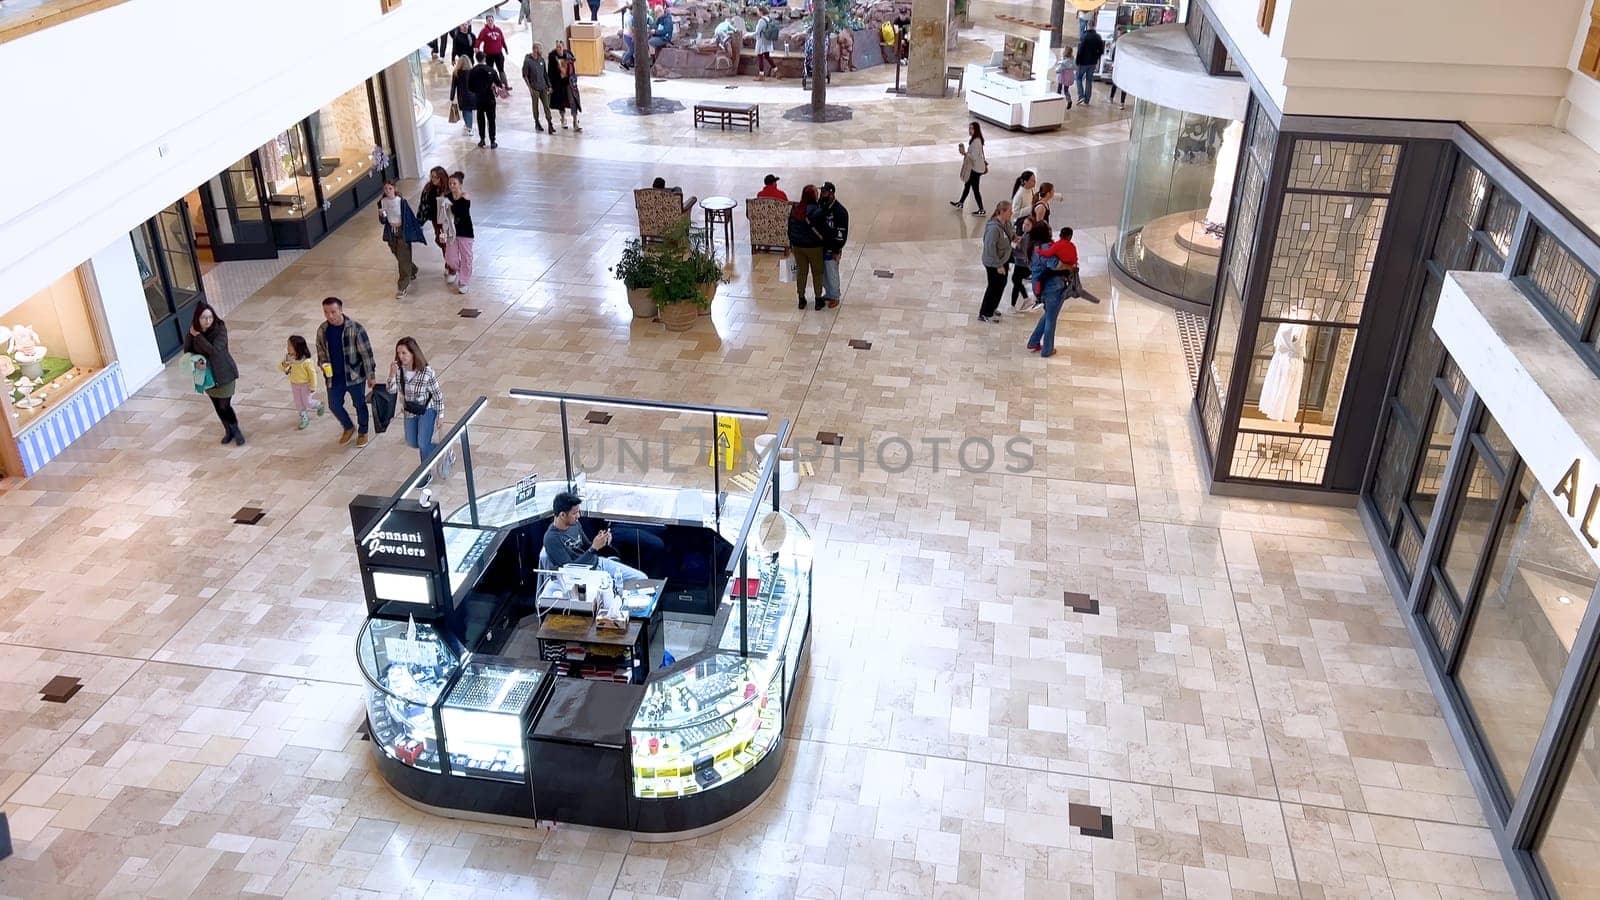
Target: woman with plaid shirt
x,y
414,381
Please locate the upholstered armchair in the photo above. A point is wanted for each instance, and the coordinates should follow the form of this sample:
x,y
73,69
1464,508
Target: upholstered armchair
x,y
769,222
659,209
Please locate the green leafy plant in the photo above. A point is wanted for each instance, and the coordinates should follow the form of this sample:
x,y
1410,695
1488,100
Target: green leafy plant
x,y
682,266
637,267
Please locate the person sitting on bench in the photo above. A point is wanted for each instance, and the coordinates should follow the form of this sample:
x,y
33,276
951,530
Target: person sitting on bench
x,y
566,544
660,184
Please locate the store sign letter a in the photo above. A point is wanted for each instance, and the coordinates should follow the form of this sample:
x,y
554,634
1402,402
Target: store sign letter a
x,y
1568,487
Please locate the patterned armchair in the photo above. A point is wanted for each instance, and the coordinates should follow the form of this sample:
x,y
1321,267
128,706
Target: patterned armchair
x,y
769,223
659,209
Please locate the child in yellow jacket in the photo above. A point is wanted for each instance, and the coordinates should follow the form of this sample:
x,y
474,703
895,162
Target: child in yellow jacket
x,y
302,372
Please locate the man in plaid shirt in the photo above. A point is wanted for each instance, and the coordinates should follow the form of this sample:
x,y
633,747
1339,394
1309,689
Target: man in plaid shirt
x,y
345,354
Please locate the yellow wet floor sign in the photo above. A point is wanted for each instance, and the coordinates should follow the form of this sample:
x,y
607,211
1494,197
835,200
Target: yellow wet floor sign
x,y
730,444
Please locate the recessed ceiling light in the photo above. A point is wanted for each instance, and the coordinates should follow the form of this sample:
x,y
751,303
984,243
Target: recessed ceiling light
x,y
1564,600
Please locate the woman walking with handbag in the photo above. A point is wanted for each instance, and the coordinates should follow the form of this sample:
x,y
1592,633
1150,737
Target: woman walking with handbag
x,y
460,94
434,206
208,338
974,165
414,382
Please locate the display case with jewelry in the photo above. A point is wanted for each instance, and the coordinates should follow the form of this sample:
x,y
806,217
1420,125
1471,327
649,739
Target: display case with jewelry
x,y
779,590
407,665
483,716
705,725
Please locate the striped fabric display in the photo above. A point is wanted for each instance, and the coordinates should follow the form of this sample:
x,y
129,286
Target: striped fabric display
x,y
41,441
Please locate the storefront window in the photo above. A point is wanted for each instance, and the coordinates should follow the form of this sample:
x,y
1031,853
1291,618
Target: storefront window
x,y
1533,600
419,88
1430,471
285,164
344,136
1474,518
1175,205
1569,849
49,344
1314,298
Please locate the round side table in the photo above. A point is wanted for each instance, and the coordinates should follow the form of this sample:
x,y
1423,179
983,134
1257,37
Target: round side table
x,y
719,210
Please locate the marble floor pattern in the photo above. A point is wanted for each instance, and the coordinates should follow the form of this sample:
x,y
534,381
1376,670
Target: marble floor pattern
x,y
1245,706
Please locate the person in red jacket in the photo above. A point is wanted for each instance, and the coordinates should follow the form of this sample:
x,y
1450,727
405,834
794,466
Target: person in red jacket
x,y
771,188
492,41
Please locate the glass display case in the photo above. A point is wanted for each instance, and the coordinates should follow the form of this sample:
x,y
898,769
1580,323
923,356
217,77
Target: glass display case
x,y
779,610
406,665
49,345
705,725
483,716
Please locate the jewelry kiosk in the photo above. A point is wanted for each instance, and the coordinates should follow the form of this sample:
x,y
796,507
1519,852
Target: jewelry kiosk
x,y
1015,91
474,710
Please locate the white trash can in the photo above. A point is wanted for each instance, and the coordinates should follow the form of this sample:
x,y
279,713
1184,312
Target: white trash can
x,y
788,461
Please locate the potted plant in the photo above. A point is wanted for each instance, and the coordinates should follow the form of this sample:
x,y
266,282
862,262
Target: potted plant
x,y
686,277
636,271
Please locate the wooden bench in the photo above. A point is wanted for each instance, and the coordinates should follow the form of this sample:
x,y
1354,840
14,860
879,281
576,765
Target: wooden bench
x,y
728,114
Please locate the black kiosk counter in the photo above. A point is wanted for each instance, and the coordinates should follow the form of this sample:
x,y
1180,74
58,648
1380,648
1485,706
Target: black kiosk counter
x,y
493,694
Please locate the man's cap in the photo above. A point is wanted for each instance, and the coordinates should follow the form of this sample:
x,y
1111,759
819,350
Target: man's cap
x,y
828,186
770,179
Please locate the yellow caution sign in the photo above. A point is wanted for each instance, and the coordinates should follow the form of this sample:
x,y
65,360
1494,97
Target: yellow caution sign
x,y
730,444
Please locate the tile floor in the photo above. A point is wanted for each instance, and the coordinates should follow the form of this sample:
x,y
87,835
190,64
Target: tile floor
x,y
1243,710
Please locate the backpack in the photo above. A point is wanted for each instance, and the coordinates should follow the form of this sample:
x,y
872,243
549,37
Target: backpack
x,y
772,30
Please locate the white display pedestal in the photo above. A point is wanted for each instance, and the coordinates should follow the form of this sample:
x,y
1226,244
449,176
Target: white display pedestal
x,y
1013,103
1002,100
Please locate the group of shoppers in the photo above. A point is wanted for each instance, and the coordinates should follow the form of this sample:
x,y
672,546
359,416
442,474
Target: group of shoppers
x,y
345,358
478,83
446,205
1043,262
553,83
819,227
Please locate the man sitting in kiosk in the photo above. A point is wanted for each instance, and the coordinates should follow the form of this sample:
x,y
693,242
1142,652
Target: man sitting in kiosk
x,y
565,542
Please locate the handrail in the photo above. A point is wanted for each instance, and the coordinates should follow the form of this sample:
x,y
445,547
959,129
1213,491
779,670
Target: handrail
x,y
421,471
768,467
622,402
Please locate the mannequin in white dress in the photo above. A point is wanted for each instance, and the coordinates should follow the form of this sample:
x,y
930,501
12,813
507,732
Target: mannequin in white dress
x,y
1286,374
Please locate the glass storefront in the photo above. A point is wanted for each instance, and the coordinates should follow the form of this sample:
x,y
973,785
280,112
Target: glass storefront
x,y
164,251
345,134
1181,169
1496,579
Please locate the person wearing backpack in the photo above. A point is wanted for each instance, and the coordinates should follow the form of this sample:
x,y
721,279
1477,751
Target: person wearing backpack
x,y
767,30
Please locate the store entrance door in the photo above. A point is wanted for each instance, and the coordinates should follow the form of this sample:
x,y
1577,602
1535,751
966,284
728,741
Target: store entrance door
x,y
164,250
235,206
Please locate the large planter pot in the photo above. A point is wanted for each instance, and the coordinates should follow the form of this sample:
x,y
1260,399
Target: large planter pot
x,y
679,316
640,301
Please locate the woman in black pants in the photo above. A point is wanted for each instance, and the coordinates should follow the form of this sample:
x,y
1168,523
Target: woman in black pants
x,y
974,165
208,337
998,241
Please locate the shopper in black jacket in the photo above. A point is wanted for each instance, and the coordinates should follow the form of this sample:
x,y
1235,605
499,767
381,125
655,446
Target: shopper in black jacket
x,y
805,241
461,94
1090,48
835,221
461,41
482,81
208,337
